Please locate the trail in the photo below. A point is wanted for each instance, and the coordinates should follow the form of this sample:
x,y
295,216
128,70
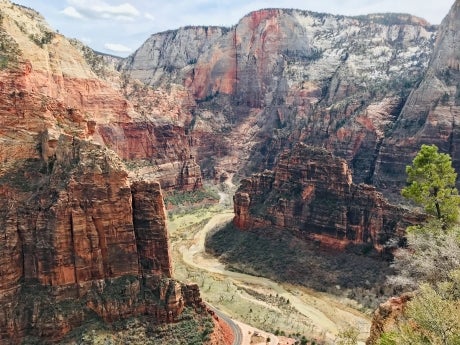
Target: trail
x,y
312,307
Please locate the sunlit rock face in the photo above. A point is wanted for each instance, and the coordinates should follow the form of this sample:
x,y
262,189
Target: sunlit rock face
x,y
431,114
280,76
83,237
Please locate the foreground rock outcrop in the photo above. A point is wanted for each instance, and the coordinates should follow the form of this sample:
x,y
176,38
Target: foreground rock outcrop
x,y
81,241
310,192
387,316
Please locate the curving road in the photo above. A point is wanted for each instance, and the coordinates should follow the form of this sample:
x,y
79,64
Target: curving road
x,y
213,265
192,256
238,335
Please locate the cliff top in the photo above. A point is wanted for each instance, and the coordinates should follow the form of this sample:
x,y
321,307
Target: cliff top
x,y
39,44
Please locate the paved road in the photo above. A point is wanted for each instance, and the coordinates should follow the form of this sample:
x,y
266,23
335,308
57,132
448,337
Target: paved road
x,y
238,340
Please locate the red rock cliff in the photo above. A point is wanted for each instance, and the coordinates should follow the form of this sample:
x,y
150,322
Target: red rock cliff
x,y
80,239
280,76
52,87
310,192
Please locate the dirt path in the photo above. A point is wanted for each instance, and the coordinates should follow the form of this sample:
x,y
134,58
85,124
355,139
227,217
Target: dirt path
x,y
325,314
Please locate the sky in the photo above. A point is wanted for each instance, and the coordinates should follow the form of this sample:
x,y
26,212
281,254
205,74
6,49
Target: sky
x,y
119,27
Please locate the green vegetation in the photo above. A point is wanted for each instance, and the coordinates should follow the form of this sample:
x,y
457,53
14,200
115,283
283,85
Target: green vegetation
x,y
9,51
280,256
187,198
25,175
431,180
347,336
93,59
431,262
192,329
432,316
256,305
40,40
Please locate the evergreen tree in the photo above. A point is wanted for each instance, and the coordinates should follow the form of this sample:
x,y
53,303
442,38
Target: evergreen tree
x,y
431,184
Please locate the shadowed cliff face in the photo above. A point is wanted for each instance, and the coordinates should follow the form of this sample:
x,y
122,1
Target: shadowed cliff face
x,y
311,194
431,114
281,76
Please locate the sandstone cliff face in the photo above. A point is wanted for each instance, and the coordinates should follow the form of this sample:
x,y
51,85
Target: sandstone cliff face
x,y
431,114
311,193
50,84
86,241
281,76
82,237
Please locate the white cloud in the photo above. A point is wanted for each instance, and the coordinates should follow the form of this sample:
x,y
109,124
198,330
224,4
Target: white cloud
x,y
98,9
117,48
72,12
149,16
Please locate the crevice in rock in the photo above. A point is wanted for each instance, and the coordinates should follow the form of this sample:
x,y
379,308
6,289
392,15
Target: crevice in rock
x,y
74,249
370,178
102,243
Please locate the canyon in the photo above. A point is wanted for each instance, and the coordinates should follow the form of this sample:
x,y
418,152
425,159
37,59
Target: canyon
x,y
326,111
369,89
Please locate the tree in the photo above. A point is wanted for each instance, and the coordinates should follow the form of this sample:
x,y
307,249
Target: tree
x,y
431,254
348,336
431,183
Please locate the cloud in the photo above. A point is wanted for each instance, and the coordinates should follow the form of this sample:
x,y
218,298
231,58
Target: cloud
x,y
149,16
117,48
97,9
72,12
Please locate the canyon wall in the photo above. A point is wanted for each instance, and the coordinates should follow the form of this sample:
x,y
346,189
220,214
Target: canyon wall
x,y
431,114
280,76
83,227
49,83
81,240
311,193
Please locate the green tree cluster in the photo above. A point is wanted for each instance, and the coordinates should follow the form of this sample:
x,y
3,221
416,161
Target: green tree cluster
x,y
431,183
432,317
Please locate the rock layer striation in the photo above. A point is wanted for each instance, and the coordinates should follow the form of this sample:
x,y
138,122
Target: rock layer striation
x,y
83,231
81,241
310,193
280,76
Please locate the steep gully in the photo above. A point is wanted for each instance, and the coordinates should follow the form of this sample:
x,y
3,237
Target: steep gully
x,y
194,255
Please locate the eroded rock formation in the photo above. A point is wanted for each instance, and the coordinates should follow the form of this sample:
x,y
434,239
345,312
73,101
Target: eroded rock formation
x,y
83,236
387,316
49,85
310,192
80,240
280,76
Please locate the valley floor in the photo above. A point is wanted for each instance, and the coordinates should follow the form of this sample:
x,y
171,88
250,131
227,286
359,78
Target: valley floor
x,y
282,309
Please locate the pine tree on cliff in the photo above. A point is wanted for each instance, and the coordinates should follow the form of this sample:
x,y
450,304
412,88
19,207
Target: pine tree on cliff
x,y
431,184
